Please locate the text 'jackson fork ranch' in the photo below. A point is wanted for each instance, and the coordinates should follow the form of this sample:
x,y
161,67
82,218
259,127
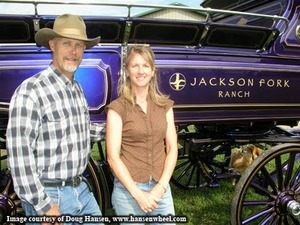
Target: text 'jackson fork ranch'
x,y
240,82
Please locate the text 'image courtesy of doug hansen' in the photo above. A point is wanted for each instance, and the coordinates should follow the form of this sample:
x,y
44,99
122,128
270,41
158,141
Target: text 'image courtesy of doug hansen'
x,y
93,219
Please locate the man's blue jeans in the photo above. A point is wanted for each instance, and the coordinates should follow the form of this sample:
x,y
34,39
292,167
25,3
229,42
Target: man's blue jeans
x,y
124,204
73,201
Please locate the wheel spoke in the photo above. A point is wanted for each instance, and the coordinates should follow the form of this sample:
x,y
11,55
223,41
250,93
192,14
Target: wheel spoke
x,y
261,189
295,181
269,179
7,187
183,172
256,203
188,182
178,166
290,167
279,173
256,216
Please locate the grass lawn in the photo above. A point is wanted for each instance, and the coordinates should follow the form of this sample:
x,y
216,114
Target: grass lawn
x,y
205,206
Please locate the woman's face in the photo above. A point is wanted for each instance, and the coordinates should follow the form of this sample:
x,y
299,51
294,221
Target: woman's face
x,y
139,71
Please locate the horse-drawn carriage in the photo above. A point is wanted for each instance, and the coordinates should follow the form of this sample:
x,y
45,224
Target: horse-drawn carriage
x,y
234,77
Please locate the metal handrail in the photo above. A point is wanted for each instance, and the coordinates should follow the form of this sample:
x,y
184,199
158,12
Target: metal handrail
x,y
129,6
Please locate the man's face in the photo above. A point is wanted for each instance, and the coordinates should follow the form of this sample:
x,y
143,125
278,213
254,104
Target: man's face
x,y
67,54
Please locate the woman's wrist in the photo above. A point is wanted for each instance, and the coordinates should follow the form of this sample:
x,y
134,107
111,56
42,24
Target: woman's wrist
x,y
162,186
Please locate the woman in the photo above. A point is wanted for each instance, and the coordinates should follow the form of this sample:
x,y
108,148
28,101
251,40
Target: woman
x,y
141,140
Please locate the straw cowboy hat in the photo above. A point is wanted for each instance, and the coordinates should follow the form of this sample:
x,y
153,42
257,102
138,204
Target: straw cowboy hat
x,y
67,26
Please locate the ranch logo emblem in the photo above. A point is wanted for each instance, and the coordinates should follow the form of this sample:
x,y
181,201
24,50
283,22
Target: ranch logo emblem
x,y
226,86
177,81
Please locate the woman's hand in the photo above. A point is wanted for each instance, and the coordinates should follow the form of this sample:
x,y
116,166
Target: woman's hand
x,y
158,191
147,201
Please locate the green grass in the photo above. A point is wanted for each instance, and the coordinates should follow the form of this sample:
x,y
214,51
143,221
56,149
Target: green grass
x,y
205,206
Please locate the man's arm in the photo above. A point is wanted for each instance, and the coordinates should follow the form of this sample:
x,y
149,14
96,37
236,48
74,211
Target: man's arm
x,y
97,131
21,137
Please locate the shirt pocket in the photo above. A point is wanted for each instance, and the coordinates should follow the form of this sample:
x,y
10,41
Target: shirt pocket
x,y
55,122
55,113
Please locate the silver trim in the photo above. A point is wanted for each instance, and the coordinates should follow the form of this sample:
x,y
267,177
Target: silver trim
x,y
129,6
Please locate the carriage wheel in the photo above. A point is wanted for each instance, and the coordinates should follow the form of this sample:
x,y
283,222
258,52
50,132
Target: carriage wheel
x,y
10,205
98,184
9,201
200,165
268,192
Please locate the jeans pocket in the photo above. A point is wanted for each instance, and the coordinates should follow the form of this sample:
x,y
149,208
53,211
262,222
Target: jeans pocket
x,y
54,194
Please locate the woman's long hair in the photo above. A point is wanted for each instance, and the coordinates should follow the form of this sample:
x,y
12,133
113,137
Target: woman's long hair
x,y
124,87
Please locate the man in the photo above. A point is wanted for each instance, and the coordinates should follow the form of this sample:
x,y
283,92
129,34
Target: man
x,y
49,130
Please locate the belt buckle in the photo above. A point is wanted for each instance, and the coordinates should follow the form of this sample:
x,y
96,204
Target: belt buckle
x,y
76,181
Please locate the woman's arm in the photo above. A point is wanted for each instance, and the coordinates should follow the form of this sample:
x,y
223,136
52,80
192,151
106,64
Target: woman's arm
x,y
172,154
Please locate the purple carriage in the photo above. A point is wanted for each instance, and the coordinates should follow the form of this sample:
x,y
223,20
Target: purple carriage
x,y
234,77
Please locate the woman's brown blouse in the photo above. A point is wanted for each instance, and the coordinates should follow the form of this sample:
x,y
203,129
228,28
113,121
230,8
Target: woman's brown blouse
x,y
142,147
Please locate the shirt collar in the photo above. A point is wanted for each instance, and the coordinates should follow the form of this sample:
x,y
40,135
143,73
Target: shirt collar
x,y
61,78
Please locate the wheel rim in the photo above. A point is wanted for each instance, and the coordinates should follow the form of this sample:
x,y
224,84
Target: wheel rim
x,y
94,182
267,187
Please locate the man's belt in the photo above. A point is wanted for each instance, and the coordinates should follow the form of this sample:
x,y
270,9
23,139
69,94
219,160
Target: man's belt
x,y
72,182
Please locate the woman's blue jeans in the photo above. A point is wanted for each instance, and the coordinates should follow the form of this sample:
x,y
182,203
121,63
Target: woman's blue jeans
x,y
73,201
124,204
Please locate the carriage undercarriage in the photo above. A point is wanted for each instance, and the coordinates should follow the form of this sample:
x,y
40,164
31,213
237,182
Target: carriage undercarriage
x,y
267,191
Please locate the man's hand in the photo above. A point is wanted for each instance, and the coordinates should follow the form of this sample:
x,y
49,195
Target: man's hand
x,y
54,211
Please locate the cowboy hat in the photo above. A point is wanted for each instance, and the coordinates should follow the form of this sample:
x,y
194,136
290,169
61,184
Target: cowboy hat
x,y
67,26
